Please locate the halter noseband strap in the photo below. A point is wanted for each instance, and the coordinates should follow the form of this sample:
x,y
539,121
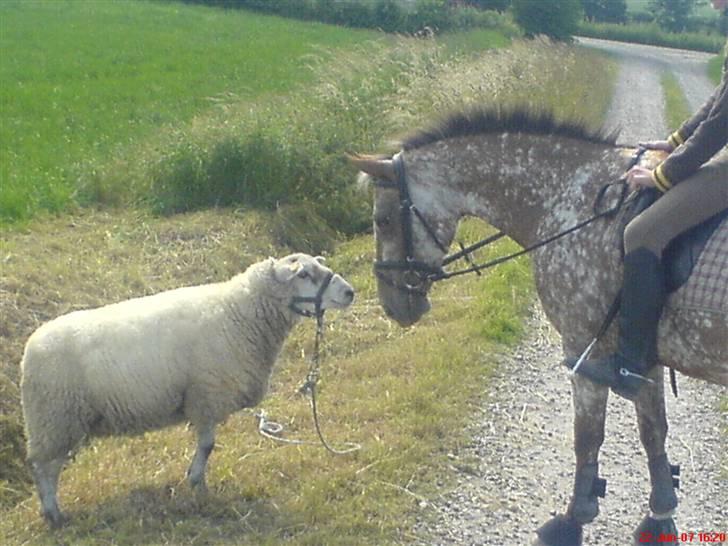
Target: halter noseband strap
x,y
317,300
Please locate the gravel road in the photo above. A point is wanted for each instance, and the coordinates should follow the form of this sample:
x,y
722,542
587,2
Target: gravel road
x,y
516,470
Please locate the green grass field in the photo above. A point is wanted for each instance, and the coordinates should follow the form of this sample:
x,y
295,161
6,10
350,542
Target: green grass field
x,y
80,79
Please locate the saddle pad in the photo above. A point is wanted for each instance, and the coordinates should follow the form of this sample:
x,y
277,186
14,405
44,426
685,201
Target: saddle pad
x,y
707,287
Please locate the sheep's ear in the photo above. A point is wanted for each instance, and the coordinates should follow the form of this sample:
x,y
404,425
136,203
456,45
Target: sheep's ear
x,y
284,272
374,166
320,259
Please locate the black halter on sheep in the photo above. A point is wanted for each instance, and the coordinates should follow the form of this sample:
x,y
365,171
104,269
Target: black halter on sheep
x,y
194,354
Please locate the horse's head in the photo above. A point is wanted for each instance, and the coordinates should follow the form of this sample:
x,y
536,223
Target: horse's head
x,y
411,237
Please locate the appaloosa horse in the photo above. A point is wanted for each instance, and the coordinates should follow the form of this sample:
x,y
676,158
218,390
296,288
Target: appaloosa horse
x,y
531,178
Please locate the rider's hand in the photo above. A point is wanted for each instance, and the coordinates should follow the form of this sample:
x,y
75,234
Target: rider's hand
x,y
639,177
662,145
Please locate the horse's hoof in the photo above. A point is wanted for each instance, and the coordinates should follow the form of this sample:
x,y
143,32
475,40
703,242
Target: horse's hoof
x,y
654,531
561,531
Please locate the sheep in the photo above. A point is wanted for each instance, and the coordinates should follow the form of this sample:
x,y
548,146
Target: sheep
x,y
193,354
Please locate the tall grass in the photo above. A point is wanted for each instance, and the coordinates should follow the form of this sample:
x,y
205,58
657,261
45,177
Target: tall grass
x,y
291,150
80,79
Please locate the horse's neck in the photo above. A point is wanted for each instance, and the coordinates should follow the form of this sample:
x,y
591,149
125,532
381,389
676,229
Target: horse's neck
x,y
528,186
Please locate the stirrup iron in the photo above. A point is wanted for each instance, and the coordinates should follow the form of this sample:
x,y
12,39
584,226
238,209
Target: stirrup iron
x,y
624,372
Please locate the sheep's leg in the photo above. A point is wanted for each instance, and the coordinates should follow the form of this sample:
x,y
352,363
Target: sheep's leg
x,y
45,475
205,445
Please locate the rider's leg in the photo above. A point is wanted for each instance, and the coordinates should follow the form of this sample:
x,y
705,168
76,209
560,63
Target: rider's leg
x,y
684,206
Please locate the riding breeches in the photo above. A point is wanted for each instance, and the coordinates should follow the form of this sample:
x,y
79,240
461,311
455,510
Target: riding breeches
x,y
687,204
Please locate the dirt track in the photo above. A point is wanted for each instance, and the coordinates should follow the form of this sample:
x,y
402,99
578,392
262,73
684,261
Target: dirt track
x,y
516,471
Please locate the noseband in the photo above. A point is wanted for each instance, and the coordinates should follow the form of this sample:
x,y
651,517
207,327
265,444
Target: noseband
x,y
418,274
317,300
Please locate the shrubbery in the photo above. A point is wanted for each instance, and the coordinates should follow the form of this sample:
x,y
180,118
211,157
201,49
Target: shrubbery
x,y
558,19
388,15
652,34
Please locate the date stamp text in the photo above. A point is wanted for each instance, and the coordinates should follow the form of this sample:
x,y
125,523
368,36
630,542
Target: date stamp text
x,y
713,537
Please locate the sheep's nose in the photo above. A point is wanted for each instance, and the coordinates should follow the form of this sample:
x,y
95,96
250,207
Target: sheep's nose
x,y
349,293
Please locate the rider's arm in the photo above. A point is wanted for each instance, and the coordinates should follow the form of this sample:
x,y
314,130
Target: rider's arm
x,y
710,135
687,129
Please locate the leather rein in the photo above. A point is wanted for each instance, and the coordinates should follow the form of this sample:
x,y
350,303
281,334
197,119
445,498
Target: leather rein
x,y
419,275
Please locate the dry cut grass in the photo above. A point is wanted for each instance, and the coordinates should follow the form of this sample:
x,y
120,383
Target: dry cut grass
x,y
399,393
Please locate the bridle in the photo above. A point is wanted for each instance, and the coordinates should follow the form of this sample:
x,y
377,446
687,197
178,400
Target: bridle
x,y
420,275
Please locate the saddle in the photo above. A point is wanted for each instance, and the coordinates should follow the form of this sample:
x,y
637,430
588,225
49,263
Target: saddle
x,y
683,252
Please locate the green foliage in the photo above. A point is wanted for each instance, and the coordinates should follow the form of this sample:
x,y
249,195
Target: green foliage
x,y
497,5
387,15
672,15
557,19
652,34
605,11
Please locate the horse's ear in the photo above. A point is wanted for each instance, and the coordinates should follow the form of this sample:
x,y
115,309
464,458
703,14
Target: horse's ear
x,y
377,167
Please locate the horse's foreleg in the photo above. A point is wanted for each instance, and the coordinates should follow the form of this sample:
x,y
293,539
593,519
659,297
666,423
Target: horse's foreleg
x,y
590,408
652,420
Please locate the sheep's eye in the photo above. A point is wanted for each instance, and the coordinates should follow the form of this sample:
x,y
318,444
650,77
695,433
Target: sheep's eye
x,y
303,274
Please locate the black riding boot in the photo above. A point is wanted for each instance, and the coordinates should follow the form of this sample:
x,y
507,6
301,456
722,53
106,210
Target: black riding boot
x,y
643,295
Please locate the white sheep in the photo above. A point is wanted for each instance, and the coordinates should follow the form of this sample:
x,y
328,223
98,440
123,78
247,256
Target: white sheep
x,y
193,354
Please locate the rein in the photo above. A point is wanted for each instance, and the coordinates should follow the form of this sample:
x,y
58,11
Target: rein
x,y
442,275
419,275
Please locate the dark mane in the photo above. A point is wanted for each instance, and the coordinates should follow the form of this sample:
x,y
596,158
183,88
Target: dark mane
x,y
485,121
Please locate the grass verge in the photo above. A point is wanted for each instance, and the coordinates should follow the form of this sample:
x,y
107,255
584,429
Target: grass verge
x,y
397,392
677,109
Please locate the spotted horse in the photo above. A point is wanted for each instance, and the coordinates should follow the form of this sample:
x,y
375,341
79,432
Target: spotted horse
x,y
534,178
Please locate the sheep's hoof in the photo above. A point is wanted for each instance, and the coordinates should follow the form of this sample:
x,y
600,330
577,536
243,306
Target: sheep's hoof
x,y
199,487
55,519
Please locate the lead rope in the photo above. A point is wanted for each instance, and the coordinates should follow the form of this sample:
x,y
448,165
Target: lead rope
x,y
309,386
271,429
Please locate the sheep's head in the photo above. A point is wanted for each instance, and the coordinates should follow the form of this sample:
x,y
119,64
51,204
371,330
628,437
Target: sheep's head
x,y
309,280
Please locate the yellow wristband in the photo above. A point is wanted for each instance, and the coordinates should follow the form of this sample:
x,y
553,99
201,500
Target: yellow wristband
x,y
661,181
676,139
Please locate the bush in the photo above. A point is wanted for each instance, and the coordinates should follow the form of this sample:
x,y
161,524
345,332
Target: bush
x,y
652,34
557,19
387,15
